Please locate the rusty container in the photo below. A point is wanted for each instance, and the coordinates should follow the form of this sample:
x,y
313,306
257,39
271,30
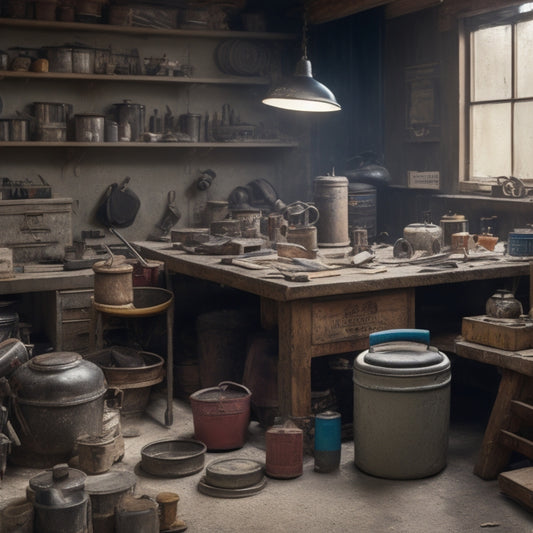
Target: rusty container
x,y
331,200
362,208
221,415
284,452
113,283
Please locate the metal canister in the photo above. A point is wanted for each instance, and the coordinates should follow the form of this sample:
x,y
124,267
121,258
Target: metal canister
x,y
331,200
113,284
60,501
327,441
450,224
401,406
362,208
136,514
284,452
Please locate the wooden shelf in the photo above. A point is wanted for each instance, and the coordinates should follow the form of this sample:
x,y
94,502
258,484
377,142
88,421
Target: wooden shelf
x,y
155,145
133,30
238,80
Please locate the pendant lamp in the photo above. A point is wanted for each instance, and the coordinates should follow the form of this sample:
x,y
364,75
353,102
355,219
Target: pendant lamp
x,y
301,92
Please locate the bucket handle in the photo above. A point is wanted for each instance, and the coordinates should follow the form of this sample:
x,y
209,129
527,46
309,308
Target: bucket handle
x,y
224,385
398,335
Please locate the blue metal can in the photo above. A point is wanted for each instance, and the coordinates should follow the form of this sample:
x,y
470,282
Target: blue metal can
x,y
327,441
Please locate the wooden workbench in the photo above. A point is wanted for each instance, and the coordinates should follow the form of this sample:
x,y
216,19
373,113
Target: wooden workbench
x,y
328,315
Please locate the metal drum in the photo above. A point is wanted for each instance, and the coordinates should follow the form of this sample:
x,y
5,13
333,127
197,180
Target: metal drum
x,y
331,200
401,406
362,208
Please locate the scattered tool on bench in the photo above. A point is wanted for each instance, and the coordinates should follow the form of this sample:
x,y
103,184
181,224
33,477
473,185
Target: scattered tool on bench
x,y
302,276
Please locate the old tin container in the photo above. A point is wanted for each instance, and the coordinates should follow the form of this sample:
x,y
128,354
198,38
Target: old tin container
x,y
59,59
173,458
58,397
424,236
221,415
401,406
60,501
503,304
106,491
132,114
137,514
284,452
331,200
450,224
113,284
90,127
327,441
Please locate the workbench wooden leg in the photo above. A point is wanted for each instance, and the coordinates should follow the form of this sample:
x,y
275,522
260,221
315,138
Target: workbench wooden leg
x,y
294,366
494,456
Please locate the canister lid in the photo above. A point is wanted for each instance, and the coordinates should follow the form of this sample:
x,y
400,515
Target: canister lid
x,y
404,358
55,361
110,482
60,477
100,267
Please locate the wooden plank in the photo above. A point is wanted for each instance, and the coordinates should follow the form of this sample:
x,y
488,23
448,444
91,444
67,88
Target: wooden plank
x,y
494,455
523,410
514,361
320,11
517,443
518,485
399,8
354,318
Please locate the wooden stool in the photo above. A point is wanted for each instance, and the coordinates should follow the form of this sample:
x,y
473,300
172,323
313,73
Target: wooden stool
x,y
512,410
164,303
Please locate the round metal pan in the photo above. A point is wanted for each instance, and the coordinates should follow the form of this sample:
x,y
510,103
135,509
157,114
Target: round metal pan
x,y
173,458
234,473
218,492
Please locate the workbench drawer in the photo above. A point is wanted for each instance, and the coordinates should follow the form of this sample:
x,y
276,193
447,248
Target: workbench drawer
x,y
36,230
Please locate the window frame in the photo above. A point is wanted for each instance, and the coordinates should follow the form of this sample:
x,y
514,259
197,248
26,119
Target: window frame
x,y
509,15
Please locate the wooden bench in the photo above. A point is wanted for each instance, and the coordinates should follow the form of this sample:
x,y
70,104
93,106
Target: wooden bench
x,y
512,410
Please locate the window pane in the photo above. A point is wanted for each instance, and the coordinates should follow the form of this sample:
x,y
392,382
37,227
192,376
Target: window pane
x,y
523,140
491,140
491,63
524,53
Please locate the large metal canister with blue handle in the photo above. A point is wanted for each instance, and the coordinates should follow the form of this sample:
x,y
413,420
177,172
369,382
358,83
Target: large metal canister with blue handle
x,y
401,406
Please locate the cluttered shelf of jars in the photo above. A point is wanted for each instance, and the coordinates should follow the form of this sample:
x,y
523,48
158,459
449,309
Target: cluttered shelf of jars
x,y
180,42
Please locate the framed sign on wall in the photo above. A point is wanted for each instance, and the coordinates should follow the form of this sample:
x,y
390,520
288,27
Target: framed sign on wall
x,y
422,103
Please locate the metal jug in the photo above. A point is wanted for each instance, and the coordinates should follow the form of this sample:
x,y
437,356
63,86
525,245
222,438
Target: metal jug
x,y
60,501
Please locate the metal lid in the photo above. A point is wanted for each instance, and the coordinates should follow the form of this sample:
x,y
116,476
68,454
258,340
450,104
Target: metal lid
x,y
110,482
328,415
404,358
234,473
61,478
55,361
101,267
58,379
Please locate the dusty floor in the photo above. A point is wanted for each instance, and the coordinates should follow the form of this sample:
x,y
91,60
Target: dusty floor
x,y
454,500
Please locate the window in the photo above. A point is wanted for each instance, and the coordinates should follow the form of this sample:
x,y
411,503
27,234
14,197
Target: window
x,y
498,97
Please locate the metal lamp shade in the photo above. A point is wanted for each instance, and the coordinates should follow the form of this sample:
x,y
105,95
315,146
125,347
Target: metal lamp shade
x,y
302,92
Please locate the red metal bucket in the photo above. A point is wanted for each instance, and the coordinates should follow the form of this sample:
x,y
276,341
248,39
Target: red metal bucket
x,y
221,415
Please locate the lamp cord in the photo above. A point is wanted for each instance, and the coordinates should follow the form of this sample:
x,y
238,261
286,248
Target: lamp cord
x,y
304,34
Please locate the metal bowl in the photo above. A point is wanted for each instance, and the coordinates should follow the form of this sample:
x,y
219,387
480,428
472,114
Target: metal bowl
x,y
173,458
234,473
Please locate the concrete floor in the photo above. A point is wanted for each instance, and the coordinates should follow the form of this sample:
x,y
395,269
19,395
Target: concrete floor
x,y
453,501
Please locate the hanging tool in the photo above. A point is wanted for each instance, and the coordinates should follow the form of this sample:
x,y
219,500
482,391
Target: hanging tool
x,y
170,219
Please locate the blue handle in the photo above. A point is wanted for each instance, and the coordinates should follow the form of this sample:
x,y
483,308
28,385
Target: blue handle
x,y
395,335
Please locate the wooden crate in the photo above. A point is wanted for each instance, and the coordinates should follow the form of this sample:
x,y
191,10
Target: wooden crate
x,y
518,485
504,336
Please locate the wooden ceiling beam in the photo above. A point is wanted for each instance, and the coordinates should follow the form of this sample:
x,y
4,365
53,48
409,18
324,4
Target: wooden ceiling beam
x,y
320,11
397,8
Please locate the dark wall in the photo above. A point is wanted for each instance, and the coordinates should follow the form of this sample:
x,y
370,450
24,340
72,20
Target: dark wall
x,y
347,57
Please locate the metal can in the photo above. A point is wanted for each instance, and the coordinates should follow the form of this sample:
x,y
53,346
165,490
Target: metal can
x,y
327,441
